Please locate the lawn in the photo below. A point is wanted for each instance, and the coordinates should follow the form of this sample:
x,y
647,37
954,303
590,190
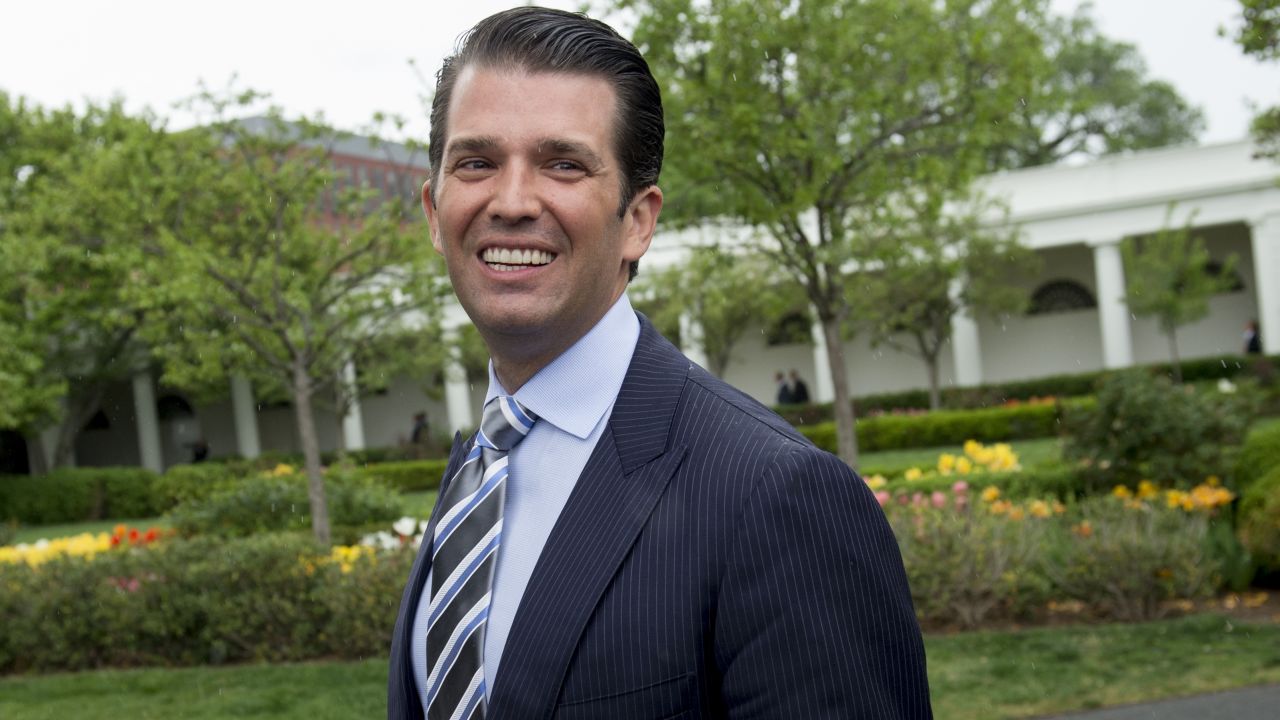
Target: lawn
x,y
987,675
1030,454
29,534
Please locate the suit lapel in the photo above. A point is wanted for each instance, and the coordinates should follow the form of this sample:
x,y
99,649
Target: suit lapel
x,y
621,483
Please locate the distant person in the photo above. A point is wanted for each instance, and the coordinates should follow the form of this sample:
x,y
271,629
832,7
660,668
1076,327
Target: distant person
x,y
1252,341
420,436
799,391
199,451
784,389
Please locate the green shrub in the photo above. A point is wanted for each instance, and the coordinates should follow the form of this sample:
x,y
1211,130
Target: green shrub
x,y
1145,427
948,427
1258,520
1131,561
407,476
968,566
268,598
1259,456
267,503
1059,386
182,483
69,495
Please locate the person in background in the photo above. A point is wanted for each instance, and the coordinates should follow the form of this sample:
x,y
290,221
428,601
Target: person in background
x,y
1252,341
799,391
784,388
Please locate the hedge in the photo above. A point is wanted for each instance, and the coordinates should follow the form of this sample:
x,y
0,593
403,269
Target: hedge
x,y
69,495
271,598
986,396
409,475
1259,455
949,427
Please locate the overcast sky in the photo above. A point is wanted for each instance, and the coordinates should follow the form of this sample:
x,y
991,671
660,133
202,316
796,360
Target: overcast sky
x,y
349,59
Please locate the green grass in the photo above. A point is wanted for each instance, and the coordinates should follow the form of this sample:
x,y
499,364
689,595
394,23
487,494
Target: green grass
x,y
419,504
1053,670
988,675
1031,453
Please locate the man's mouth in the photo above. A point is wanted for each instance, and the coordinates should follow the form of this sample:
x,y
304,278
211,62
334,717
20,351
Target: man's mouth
x,y
507,259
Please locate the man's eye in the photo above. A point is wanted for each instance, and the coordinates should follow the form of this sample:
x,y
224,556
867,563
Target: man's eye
x,y
472,164
566,166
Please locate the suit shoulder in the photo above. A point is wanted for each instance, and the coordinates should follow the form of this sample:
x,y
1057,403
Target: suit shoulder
x,y
719,409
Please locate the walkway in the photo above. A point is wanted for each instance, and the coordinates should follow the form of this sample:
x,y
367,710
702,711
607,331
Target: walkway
x,y
1255,703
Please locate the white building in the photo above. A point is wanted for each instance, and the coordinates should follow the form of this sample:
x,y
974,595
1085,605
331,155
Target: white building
x,y
1073,216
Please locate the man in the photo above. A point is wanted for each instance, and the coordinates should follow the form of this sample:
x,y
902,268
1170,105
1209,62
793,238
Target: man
x,y
784,388
627,536
799,390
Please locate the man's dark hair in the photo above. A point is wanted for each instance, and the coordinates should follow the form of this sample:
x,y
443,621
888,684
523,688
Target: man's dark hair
x,y
539,39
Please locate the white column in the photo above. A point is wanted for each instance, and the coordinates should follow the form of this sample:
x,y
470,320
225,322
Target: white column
x,y
245,412
457,391
144,411
1266,274
824,390
1113,312
691,340
966,348
353,421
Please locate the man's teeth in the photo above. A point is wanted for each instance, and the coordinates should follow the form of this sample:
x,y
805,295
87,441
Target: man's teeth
x,y
508,259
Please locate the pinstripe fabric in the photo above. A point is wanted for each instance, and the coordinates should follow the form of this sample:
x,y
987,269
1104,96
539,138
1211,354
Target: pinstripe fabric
x,y
710,563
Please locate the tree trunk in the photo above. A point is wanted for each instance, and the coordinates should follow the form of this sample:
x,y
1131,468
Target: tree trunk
x,y
310,453
935,393
77,411
1173,355
846,430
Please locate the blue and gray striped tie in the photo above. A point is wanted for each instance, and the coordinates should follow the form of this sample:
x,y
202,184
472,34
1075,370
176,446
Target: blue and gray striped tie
x,y
464,552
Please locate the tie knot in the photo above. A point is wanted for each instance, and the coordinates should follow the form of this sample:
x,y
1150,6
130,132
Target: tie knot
x,y
505,423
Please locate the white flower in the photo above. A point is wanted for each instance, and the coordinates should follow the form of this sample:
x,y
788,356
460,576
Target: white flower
x,y
382,540
1226,386
422,526
417,540
405,526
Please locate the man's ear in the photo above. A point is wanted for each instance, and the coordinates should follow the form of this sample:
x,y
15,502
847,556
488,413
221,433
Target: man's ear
x,y
433,221
640,222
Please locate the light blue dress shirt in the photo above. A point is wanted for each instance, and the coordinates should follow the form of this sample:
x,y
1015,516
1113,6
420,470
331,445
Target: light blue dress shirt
x,y
572,397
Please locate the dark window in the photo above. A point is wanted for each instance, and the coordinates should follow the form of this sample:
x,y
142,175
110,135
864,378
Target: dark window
x,y
172,407
1061,296
99,421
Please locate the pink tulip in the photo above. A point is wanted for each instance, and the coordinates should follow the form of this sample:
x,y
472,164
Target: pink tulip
x,y
961,487
939,499
882,497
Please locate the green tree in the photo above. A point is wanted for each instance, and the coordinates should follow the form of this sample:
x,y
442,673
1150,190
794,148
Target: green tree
x,y
1096,100
277,272
86,197
724,292
1259,38
1169,278
796,117
926,265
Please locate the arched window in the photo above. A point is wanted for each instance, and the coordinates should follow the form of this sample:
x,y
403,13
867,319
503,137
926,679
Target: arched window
x,y
791,329
172,407
1061,296
99,421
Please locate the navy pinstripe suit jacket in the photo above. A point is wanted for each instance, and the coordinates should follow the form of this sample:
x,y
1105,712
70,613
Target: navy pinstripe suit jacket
x,y
709,563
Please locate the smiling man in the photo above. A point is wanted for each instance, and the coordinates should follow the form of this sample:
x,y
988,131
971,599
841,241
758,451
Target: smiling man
x,y
625,536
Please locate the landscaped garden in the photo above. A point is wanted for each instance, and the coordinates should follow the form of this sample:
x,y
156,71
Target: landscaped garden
x,y
1064,553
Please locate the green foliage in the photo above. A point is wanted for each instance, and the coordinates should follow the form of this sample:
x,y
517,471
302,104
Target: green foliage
x,y
1097,100
968,566
1258,520
202,601
949,427
724,292
1259,37
267,503
1132,561
931,265
182,483
75,494
800,119
87,197
1168,278
1258,457
407,476
1144,427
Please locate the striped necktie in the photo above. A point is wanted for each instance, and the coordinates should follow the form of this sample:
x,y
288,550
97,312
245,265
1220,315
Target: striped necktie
x,y
464,552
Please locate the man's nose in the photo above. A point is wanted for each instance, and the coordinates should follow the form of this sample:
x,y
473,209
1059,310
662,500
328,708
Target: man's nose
x,y
515,195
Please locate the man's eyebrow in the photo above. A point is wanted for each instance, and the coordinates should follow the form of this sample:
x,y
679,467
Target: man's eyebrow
x,y
479,143
560,146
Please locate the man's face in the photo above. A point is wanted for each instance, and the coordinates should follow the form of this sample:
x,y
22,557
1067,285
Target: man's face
x,y
526,208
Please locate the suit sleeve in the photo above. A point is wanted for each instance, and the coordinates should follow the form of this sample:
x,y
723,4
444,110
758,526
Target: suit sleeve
x,y
814,618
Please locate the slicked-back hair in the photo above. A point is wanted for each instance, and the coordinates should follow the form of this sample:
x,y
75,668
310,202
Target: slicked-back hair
x,y
536,39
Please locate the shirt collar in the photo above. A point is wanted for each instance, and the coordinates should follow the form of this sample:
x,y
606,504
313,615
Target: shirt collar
x,y
574,391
